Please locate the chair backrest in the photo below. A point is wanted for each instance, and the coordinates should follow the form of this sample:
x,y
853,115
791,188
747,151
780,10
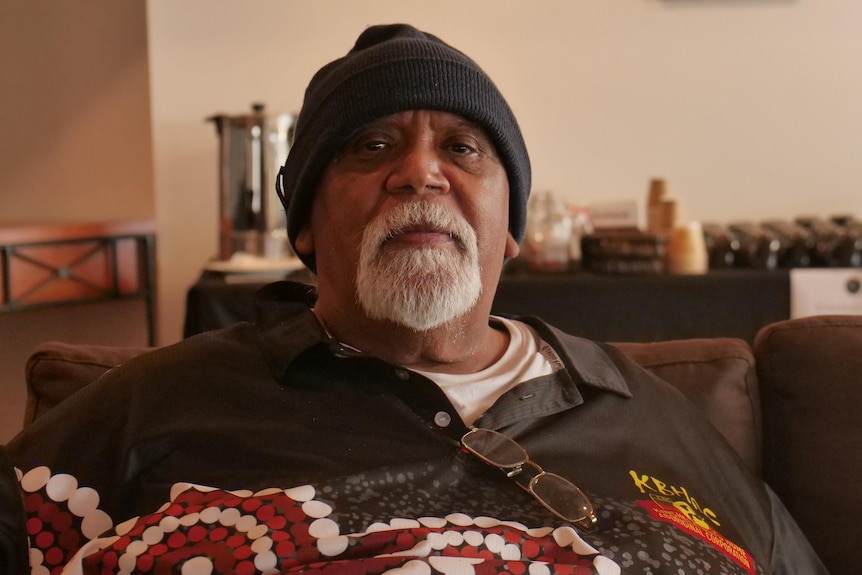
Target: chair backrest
x,y
56,370
810,372
719,376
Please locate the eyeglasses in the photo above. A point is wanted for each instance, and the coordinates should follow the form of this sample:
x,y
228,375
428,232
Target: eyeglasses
x,y
557,494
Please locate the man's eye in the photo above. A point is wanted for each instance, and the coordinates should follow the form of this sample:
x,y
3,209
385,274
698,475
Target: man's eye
x,y
461,148
373,146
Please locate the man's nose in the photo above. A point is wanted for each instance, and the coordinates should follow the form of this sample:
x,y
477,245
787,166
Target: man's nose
x,y
418,169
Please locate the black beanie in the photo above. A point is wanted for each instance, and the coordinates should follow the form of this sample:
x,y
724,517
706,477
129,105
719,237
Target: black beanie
x,y
391,69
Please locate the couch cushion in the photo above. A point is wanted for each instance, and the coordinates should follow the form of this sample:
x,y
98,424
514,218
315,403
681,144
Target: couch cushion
x,y
56,370
810,370
718,375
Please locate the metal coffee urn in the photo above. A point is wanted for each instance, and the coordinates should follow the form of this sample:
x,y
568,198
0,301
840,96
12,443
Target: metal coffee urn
x,y
252,148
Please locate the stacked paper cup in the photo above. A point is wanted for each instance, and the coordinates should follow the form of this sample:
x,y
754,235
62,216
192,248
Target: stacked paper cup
x,y
686,250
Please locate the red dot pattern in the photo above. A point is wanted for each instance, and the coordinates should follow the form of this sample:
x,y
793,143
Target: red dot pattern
x,y
56,533
53,530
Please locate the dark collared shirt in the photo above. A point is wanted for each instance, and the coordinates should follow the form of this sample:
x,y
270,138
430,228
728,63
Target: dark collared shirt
x,y
269,447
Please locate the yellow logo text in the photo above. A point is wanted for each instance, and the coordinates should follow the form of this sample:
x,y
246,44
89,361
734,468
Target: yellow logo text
x,y
677,497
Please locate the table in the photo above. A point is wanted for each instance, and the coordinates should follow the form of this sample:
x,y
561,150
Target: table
x,y
61,264
723,303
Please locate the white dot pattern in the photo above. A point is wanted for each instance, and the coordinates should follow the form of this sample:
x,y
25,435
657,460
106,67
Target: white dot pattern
x,y
450,532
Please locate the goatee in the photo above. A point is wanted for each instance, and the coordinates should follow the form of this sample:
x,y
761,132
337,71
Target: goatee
x,y
423,287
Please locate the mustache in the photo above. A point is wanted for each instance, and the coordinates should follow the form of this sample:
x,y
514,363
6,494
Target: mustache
x,y
423,217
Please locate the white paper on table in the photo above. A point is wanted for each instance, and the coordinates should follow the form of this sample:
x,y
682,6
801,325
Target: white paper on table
x,y
825,291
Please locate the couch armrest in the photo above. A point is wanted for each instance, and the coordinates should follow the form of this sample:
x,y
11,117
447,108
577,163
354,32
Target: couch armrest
x,y
719,376
810,371
57,370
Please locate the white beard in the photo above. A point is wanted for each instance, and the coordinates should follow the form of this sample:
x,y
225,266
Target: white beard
x,y
419,288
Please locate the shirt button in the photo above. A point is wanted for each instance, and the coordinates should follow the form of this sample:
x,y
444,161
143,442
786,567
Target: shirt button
x,y
402,374
442,419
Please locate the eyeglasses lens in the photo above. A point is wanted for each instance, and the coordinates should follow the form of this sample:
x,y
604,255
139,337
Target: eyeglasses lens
x,y
562,496
495,448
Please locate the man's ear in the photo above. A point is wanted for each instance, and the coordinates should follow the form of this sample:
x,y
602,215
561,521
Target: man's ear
x,y
512,248
304,243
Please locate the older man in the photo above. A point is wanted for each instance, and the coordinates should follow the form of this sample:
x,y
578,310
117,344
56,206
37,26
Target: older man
x,y
384,421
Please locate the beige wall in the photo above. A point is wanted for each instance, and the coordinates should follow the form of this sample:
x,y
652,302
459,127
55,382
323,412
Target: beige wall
x,y
751,108
75,112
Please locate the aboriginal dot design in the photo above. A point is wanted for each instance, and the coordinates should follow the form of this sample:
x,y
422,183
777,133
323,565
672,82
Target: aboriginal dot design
x,y
640,544
203,531
62,516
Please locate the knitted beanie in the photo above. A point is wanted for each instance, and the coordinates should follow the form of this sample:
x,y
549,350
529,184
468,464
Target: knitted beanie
x,y
391,69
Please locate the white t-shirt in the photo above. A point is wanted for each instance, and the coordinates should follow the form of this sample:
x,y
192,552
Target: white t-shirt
x,y
527,357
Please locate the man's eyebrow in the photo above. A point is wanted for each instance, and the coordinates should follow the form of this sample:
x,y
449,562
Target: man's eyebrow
x,y
386,121
470,124
465,124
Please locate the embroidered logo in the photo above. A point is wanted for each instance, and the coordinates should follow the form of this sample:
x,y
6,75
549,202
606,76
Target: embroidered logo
x,y
676,506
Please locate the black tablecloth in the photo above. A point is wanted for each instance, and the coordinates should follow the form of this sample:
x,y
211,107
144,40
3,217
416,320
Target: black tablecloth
x,y
731,303
726,303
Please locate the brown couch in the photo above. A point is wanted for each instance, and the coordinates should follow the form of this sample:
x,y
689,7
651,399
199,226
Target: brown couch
x,y
791,407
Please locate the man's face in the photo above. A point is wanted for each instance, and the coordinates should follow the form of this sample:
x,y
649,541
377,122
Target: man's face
x,y
410,220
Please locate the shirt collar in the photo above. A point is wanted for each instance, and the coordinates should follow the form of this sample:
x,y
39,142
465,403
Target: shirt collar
x,y
585,360
287,327
285,323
